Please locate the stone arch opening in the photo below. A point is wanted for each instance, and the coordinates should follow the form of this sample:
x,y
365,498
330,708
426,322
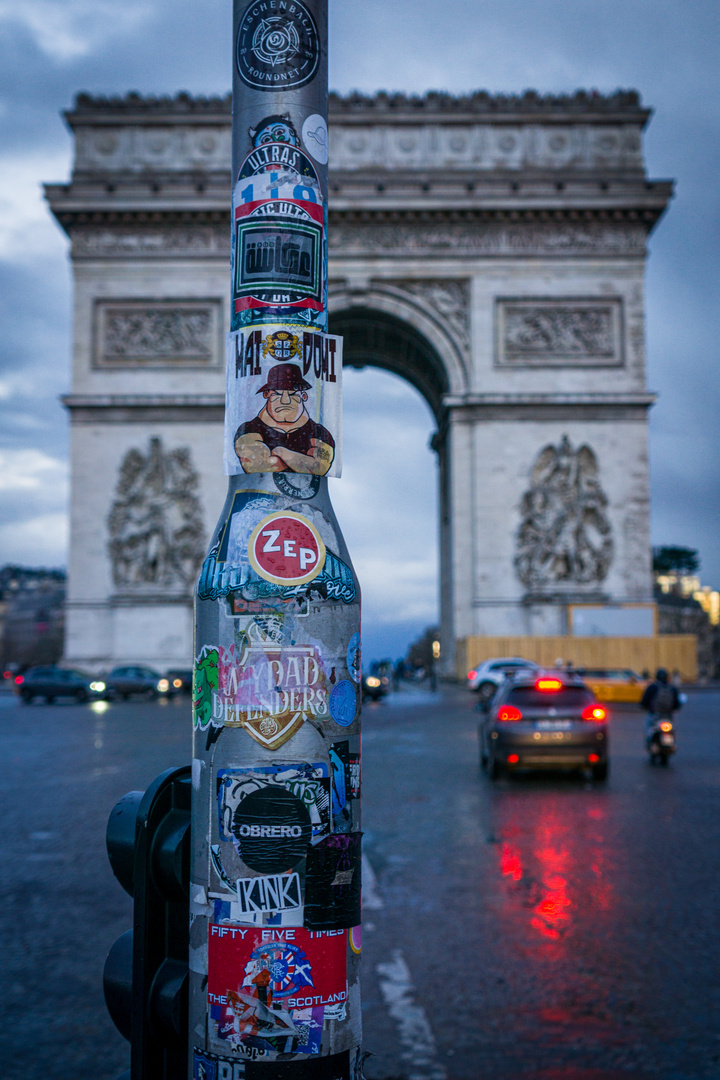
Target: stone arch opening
x,y
373,338
376,338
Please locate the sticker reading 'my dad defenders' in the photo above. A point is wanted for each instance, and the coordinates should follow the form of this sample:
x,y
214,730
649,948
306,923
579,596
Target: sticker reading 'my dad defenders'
x,y
284,401
286,548
272,988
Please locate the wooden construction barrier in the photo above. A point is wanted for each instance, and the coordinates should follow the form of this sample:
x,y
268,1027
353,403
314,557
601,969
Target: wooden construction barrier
x,y
671,651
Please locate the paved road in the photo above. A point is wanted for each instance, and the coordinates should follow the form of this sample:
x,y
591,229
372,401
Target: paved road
x,y
539,927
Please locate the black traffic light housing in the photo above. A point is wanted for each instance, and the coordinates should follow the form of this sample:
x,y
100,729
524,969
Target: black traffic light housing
x,y
146,971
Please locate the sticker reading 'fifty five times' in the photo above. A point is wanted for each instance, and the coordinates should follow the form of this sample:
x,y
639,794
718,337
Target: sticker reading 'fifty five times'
x,y
286,548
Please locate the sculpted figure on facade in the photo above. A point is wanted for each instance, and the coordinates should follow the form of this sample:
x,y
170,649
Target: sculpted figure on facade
x,y
155,524
565,535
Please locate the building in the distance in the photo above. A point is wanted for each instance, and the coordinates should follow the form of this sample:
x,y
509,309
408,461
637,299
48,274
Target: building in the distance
x,y
490,249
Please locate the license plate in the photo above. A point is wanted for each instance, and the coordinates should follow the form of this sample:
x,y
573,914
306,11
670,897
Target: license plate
x,y
666,740
553,725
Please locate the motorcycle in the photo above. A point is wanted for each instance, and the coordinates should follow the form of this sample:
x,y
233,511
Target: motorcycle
x,y
660,740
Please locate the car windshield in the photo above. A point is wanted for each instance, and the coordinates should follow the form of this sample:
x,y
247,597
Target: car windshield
x,y
508,668
569,697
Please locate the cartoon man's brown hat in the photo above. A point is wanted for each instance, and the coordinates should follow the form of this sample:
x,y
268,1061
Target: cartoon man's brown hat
x,y
285,377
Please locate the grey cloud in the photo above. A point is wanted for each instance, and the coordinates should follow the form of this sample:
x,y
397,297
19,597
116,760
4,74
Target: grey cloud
x,y
665,49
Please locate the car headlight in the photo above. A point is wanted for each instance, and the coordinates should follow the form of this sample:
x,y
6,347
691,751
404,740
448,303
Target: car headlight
x,y
98,687
163,686
177,683
372,682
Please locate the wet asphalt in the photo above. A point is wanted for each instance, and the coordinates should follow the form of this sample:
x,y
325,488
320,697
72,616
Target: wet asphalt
x,y
541,926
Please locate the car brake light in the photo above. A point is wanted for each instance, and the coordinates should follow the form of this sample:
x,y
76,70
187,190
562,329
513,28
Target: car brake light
x,y
19,680
512,759
594,712
472,674
509,712
666,726
593,758
548,686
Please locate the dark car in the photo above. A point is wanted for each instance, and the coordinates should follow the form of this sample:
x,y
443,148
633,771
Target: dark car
x,y
180,680
545,719
375,686
133,679
56,682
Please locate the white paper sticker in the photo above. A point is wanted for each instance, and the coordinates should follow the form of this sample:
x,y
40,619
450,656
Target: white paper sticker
x,y
284,401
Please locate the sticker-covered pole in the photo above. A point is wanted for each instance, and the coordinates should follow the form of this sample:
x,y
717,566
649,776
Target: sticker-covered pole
x,y
275,877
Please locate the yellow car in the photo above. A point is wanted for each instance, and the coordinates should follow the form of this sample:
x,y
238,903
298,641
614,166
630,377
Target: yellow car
x,y
615,684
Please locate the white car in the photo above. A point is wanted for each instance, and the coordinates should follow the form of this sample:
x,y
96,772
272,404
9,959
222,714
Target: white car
x,y
491,674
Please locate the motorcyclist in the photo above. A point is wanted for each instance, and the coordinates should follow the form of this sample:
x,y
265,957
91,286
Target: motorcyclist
x,y
661,698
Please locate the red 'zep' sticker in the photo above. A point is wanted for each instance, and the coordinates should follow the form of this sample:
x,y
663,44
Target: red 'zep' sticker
x,y
286,548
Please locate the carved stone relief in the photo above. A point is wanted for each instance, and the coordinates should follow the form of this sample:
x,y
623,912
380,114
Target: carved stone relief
x,y
542,333
448,299
483,146
151,334
135,148
487,239
565,536
146,241
156,535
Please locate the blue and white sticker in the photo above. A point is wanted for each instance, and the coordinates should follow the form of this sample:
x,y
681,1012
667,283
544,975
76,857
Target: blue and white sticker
x,y
343,702
354,663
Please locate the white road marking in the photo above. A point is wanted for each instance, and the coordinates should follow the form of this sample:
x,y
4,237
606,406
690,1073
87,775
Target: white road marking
x,y
417,1042
416,1037
370,897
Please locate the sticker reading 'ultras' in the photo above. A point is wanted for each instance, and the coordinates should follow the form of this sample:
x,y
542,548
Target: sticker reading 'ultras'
x,y
286,548
284,401
278,255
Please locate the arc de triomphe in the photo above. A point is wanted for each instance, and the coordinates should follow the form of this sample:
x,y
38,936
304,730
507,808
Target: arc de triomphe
x,y
489,249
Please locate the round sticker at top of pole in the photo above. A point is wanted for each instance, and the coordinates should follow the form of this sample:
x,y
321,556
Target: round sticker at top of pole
x,y
286,548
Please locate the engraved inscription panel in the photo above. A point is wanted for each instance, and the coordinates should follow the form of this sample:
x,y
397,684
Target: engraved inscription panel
x,y
158,333
559,332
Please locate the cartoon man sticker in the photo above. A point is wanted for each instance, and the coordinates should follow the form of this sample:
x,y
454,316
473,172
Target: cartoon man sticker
x,y
276,128
283,437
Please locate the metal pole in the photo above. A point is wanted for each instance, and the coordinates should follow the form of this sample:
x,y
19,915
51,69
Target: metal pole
x,y
275,878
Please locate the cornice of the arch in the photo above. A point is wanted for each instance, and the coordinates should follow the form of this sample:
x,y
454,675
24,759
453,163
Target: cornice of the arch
x,y
438,308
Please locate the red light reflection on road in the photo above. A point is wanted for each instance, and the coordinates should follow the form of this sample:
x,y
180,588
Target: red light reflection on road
x,y
554,868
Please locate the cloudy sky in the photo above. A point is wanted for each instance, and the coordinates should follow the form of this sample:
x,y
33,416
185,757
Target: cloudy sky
x,y
666,49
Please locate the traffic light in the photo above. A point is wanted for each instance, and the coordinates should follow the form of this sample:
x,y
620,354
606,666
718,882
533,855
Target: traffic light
x,y
146,971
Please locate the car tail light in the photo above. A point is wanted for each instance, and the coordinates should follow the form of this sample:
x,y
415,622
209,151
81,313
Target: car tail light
x,y
472,674
512,759
593,758
548,686
19,680
509,712
594,712
666,726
